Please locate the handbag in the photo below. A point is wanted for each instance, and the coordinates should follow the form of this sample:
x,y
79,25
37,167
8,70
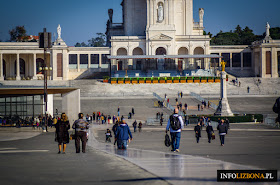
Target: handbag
x,y
213,136
167,141
72,135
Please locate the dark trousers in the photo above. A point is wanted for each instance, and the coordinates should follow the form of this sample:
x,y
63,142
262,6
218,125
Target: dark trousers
x,y
209,137
81,136
222,138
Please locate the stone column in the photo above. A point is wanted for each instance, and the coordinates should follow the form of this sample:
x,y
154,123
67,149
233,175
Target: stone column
x,y
1,67
242,60
223,108
78,62
18,68
263,63
100,61
71,105
34,67
230,59
89,60
274,67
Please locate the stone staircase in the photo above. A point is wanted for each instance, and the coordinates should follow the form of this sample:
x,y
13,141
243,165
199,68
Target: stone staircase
x,y
96,88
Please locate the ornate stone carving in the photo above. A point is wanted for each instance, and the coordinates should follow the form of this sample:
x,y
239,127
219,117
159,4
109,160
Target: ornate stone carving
x,y
160,12
59,32
267,30
110,13
201,14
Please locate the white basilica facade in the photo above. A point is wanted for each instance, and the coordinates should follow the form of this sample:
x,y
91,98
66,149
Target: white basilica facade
x,y
149,28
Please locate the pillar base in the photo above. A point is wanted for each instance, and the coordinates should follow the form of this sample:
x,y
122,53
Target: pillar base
x,y
18,78
2,78
34,78
223,108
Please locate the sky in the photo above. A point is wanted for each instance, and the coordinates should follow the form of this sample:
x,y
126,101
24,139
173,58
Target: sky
x,y
80,20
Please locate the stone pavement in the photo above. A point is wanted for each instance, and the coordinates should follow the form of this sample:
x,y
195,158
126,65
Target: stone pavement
x,y
176,168
35,161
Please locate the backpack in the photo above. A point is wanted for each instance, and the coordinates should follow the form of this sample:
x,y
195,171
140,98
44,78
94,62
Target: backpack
x,y
276,106
167,141
175,122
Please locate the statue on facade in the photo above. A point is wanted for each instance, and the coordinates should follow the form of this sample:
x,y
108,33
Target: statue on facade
x,y
201,14
110,13
59,32
267,30
160,12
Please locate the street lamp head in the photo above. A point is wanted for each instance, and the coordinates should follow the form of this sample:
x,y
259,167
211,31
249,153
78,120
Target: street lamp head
x,y
40,68
46,68
50,68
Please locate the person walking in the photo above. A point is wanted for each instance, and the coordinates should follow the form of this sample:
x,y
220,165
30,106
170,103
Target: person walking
x,y
132,111
62,134
175,124
222,131
80,126
197,130
118,111
123,134
134,125
209,131
276,109
140,126
114,129
108,136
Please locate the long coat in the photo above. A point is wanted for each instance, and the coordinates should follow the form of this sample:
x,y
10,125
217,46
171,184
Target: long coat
x,y
62,133
197,129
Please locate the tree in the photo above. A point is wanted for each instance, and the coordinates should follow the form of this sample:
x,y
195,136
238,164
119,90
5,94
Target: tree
x,y
99,41
81,44
18,34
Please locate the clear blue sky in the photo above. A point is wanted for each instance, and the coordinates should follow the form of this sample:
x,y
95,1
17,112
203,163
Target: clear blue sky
x,y
81,19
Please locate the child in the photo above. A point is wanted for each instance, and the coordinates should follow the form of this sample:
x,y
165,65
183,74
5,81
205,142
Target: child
x,y
108,135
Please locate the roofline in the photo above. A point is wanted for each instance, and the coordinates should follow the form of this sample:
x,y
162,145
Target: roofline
x,y
163,56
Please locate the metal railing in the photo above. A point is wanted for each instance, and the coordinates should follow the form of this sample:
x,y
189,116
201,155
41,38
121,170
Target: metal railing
x,y
199,98
167,105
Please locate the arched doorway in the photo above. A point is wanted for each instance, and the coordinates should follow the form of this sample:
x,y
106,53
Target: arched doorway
x,y
4,69
137,62
183,63
121,65
21,67
39,63
160,63
199,63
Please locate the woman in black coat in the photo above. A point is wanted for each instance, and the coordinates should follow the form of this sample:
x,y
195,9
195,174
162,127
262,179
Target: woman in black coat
x,y
62,134
197,130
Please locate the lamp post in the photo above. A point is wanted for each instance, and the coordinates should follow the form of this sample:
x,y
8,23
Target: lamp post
x,y
45,39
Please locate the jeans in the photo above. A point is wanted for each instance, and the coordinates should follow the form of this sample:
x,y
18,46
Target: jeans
x,y
222,138
122,144
134,129
175,140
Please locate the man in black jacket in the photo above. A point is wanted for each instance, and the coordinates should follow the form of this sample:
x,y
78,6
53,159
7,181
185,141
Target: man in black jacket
x,y
197,130
276,109
222,131
210,131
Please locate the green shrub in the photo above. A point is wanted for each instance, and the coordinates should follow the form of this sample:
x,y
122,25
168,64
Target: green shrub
x,y
134,79
178,78
120,79
106,77
113,79
148,78
168,78
203,78
127,79
161,78
196,78
141,78
189,78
